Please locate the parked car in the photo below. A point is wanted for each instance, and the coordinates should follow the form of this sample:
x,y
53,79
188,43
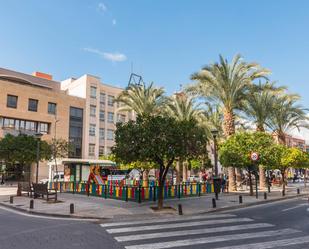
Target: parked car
x,y
59,178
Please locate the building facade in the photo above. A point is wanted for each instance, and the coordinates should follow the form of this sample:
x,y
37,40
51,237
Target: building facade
x,y
101,113
32,104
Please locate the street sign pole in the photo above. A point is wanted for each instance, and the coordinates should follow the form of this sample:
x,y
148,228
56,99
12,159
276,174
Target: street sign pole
x,y
254,158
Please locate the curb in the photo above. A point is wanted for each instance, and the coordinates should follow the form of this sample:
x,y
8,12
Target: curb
x,y
68,216
244,205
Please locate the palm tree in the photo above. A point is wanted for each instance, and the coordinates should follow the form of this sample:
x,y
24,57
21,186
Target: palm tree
x,y
287,115
227,83
182,108
143,100
258,108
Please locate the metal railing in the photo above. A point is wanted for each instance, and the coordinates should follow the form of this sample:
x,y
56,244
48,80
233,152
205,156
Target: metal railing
x,y
134,193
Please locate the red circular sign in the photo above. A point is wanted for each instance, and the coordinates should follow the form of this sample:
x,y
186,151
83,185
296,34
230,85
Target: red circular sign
x,y
254,156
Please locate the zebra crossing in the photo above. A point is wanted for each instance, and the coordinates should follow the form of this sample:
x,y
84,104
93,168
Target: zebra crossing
x,y
220,231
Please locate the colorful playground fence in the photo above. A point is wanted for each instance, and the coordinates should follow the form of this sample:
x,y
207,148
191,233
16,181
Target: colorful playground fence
x,y
133,193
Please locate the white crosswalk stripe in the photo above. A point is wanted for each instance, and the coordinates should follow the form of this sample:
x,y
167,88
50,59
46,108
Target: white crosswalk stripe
x,y
177,225
190,231
181,218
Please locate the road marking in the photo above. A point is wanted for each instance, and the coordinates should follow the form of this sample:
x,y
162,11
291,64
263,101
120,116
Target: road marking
x,y
291,208
271,244
176,225
197,217
191,232
198,241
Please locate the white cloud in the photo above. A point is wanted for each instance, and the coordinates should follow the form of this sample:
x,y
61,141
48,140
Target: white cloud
x,y
114,21
102,7
114,57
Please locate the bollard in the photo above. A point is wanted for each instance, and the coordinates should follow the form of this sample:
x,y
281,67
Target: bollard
x,y
214,205
31,204
283,192
240,199
154,193
265,196
71,208
126,188
179,209
298,191
11,199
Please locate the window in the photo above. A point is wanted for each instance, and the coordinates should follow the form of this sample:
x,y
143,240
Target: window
x,y
110,100
121,118
102,134
76,132
43,128
110,134
31,126
102,115
33,105
93,92
108,150
92,110
102,98
110,117
11,101
91,149
52,108
92,130
101,150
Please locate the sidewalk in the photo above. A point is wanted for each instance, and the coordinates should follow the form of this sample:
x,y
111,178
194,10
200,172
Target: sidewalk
x,y
96,207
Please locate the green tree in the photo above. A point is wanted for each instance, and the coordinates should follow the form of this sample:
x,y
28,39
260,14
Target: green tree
x,y
227,84
19,152
182,108
143,100
158,140
282,157
236,151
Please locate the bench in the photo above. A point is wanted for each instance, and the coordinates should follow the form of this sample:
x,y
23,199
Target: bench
x,y
42,189
25,187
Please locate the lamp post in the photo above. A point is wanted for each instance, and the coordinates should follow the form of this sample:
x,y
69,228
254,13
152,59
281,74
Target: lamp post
x,y
216,179
214,133
38,137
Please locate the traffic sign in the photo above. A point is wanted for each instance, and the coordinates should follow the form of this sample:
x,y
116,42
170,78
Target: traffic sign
x,y
254,156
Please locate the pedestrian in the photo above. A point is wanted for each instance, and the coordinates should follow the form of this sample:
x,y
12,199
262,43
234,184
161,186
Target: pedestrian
x,y
223,184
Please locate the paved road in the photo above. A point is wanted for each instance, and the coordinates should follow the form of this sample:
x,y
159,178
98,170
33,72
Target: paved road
x,y
277,225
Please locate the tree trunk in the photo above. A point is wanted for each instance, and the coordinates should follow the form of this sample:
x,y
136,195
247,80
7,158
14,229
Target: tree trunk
x,y
229,129
250,183
145,177
160,195
305,178
262,177
283,180
281,138
232,183
184,171
178,170
238,176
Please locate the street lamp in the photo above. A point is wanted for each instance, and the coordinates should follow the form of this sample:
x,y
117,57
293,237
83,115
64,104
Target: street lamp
x,y
214,133
38,137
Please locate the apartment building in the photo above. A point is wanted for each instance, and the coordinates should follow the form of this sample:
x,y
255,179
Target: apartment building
x,y
31,104
101,114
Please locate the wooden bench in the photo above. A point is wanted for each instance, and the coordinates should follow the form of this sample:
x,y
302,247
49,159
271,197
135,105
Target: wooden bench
x,y
25,187
42,189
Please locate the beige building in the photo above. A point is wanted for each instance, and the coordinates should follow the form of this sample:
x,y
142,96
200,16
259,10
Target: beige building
x,y
33,104
101,113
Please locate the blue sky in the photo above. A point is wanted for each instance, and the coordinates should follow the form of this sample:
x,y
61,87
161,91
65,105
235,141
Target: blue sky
x,y
165,40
